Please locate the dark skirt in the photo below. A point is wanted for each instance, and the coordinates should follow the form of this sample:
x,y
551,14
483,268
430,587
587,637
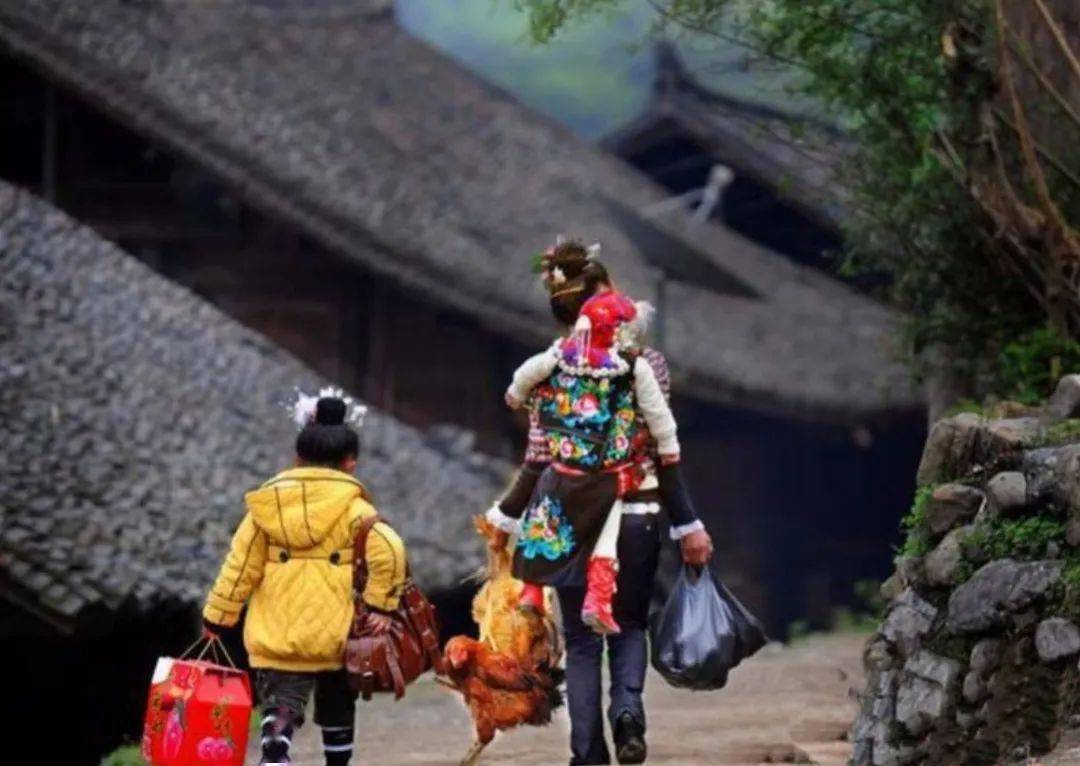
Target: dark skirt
x,y
560,526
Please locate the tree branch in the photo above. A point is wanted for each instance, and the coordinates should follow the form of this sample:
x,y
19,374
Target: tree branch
x,y
1059,36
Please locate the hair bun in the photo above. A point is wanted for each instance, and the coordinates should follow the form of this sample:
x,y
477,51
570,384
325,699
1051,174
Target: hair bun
x,y
330,411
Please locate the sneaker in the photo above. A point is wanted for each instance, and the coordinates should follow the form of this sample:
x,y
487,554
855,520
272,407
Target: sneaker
x,y
629,740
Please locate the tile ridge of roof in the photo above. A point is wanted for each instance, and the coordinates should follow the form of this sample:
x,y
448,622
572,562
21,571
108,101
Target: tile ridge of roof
x,y
260,186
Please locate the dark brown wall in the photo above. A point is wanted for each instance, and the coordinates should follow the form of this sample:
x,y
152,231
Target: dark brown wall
x,y
423,364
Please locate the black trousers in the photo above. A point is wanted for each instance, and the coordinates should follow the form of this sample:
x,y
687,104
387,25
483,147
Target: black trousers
x,y
639,550
282,690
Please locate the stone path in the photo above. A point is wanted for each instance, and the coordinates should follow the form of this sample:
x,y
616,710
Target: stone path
x,y
787,705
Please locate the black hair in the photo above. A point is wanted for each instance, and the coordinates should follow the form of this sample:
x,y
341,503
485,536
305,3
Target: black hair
x,y
326,440
583,276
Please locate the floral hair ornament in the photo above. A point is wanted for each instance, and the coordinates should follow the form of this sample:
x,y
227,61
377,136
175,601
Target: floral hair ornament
x,y
551,274
304,406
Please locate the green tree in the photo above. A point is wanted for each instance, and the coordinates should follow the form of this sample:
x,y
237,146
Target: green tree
x,y
962,183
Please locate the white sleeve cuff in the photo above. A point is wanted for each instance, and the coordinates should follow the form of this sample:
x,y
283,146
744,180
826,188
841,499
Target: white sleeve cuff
x,y
517,393
500,520
678,533
669,445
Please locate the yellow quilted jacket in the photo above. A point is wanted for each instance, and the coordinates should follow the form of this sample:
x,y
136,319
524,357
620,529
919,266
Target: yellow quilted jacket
x,y
292,557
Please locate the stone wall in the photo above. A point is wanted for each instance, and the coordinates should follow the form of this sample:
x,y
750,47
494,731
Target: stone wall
x,y
975,661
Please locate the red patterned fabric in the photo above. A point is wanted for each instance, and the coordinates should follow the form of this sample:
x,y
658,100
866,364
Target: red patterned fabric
x,y
592,343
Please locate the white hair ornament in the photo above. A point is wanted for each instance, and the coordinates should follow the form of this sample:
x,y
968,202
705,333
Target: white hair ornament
x,y
304,407
635,333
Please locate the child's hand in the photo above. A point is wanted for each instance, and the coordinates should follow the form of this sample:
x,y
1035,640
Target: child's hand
x,y
696,548
513,402
377,623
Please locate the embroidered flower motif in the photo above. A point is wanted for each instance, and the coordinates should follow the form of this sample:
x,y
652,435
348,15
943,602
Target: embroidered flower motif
x,y
546,531
587,406
584,417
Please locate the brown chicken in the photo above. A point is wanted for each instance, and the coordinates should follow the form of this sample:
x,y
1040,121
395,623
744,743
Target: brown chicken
x,y
500,691
509,677
527,636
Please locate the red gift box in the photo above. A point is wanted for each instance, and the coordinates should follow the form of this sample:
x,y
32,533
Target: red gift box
x,y
198,712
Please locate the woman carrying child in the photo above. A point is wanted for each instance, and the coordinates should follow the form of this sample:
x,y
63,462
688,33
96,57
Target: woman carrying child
x,y
602,458
291,564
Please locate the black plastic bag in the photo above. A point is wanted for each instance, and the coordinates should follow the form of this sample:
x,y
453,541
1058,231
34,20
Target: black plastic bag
x,y
702,632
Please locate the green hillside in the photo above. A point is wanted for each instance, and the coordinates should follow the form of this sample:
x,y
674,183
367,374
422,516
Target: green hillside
x,y
595,77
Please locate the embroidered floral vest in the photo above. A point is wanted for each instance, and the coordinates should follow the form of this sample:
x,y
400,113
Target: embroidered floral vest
x,y
589,422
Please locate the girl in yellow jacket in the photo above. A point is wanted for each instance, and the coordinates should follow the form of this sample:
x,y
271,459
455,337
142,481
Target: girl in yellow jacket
x,y
291,564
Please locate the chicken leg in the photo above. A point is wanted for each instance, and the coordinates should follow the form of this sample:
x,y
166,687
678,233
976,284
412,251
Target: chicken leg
x,y
473,756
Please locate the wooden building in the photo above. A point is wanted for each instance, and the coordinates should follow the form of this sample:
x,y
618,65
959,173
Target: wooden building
x,y
363,202
778,188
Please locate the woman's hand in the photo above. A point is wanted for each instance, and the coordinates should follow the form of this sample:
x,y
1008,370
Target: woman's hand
x,y
697,548
513,402
499,540
377,623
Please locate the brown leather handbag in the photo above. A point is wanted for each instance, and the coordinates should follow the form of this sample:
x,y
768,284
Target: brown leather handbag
x,y
388,661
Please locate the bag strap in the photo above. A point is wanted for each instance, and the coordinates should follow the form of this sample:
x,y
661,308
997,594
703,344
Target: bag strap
x,y
360,568
420,615
213,646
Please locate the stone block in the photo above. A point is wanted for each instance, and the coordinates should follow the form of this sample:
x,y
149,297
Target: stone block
x,y
1007,491
1056,639
1065,401
997,590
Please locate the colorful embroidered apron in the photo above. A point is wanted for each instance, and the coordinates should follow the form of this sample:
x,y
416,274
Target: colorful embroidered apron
x,y
592,431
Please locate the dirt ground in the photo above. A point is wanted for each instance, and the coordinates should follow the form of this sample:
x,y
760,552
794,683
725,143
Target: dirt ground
x,y
786,705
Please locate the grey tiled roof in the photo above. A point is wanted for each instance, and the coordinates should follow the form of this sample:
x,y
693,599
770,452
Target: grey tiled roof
x,y
331,116
796,156
133,417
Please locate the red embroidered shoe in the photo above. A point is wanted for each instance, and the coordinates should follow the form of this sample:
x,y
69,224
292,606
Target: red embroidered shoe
x,y
532,598
596,612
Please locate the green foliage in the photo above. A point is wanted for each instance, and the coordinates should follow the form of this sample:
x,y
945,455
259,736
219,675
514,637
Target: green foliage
x,y
797,630
1030,366
868,598
1065,432
1068,590
967,406
1070,575
880,69
124,756
1016,538
917,541
866,611
846,620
